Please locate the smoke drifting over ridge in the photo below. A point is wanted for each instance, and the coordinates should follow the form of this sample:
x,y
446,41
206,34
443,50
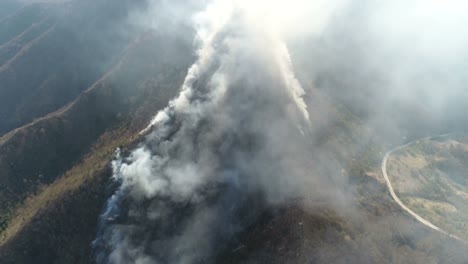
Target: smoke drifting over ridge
x,y
399,65
237,137
233,141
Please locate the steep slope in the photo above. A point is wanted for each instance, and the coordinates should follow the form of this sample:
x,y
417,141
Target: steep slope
x,y
55,173
371,229
58,223
50,53
107,115
24,41
19,21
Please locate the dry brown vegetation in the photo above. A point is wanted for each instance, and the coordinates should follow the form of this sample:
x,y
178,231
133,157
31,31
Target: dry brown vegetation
x,y
432,176
54,171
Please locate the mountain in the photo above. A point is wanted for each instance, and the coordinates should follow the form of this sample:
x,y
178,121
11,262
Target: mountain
x,y
81,80
82,134
43,50
107,115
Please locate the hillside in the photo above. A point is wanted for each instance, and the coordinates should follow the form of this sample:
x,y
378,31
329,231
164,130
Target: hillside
x,y
46,60
107,115
430,176
65,212
80,80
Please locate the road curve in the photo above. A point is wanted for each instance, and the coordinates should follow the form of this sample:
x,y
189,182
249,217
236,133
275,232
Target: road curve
x,y
401,204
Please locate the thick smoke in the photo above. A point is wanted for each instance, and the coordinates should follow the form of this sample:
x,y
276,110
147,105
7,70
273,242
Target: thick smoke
x,y
233,141
238,137
398,65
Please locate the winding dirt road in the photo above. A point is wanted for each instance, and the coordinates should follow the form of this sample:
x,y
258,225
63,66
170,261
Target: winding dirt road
x,y
401,204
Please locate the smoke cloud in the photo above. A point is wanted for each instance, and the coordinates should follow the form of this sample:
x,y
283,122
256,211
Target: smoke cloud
x,y
232,142
239,136
398,65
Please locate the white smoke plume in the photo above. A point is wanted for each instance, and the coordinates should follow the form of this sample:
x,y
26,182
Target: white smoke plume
x,y
237,138
232,141
380,57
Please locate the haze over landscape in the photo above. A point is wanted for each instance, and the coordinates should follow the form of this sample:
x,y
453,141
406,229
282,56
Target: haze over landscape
x,y
233,131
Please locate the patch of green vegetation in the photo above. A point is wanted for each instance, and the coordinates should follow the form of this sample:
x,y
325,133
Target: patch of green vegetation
x,y
423,147
434,188
368,161
5,218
